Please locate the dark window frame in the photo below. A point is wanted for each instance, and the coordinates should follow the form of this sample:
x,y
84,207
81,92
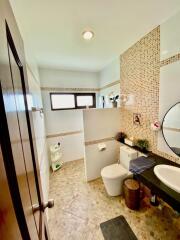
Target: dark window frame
x,y
75,100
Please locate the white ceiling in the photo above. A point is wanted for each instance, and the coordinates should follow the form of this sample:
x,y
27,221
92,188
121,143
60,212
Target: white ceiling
x,y
52,29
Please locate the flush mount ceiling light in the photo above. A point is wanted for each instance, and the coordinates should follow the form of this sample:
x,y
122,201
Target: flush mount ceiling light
x,y
88,35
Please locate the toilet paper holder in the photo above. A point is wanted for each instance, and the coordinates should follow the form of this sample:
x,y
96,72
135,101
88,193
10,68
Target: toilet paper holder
x,y
101,147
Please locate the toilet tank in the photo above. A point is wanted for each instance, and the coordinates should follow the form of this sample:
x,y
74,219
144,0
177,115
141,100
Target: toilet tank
x,y
126,155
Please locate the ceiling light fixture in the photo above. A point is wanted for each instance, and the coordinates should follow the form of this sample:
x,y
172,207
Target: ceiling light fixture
x,y
88,35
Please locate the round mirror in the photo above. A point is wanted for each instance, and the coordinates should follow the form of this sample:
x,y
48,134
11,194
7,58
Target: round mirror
x,y
171,128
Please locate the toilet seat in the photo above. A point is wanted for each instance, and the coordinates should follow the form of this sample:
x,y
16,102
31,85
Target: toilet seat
x,y
114,171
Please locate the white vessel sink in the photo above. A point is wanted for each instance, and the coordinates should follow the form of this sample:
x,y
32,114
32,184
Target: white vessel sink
x,y
169,175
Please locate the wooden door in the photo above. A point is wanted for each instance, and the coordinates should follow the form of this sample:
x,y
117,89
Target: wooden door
x,y
18,149
8,222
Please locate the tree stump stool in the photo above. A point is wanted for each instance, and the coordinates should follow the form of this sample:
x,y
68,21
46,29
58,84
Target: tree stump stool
x,y
132,193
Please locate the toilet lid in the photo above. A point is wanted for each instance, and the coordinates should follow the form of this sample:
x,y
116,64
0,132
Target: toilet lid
x,y
113,171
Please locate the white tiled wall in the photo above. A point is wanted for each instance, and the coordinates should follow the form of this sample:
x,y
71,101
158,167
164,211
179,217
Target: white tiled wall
x,y
72,146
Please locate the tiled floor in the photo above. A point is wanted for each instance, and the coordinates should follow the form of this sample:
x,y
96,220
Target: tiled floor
x,y
80,207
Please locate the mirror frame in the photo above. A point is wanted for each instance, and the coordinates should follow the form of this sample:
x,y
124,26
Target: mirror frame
x,y
162,127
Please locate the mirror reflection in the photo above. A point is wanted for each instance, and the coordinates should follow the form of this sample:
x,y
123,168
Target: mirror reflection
x,y
171,128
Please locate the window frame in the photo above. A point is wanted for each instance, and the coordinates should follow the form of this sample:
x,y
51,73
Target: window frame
x,y
75,100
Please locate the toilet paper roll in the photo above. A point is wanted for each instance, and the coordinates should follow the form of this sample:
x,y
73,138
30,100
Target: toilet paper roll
x,y
102,146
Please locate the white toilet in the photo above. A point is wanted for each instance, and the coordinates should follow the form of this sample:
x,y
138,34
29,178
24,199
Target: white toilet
x,y
114,175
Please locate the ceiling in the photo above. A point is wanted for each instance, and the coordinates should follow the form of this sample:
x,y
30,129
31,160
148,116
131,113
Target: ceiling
x,y
53,29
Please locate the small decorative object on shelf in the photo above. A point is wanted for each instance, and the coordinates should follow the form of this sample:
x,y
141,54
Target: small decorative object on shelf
x,y
114,100
143,145
56,156
103,101
156,126
124,98
120,136
130,141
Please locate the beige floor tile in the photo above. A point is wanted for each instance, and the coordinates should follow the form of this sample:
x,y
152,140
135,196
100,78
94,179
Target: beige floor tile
x,y
80,207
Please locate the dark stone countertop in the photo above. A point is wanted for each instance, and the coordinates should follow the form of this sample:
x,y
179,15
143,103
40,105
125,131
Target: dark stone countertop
x,y
149,179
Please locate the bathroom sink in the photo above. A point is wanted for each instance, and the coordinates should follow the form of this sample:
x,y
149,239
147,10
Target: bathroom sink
x,y
169,175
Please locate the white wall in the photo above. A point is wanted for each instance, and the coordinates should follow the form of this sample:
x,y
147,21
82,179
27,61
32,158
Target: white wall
x,y
38,121
100,124
109,75
170,37
68,122
68,79
169,74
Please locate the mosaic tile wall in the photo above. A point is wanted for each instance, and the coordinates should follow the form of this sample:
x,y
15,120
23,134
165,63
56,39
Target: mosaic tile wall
x,y
170,60
140,76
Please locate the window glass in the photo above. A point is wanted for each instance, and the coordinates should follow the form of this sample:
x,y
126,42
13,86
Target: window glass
x,y
84,101
62,101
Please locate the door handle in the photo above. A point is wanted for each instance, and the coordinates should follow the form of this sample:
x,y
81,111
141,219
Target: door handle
x,y
49,204
43,206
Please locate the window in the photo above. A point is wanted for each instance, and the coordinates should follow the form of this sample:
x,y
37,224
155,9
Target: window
x,y
64,101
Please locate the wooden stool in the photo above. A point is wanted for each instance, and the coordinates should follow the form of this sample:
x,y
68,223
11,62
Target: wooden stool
x,y
132,193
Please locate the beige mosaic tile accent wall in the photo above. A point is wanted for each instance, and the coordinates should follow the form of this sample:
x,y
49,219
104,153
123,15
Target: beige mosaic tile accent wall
x,y
140,76
170,60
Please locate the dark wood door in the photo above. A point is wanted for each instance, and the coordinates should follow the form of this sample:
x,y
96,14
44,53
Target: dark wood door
x,y
8,222
18,149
